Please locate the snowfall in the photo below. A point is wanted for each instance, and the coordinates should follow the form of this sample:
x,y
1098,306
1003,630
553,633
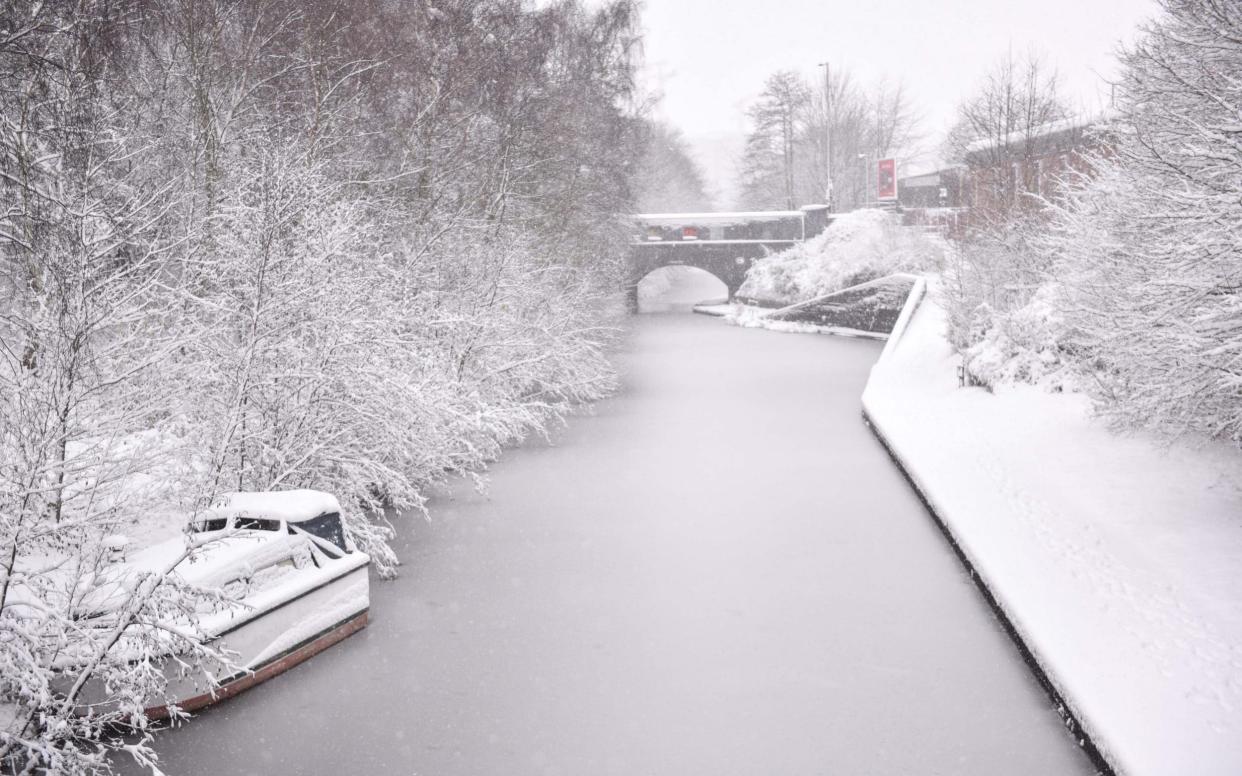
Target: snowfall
x,y
1115,557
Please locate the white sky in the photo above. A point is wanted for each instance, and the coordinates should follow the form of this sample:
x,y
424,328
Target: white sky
x,y
709,58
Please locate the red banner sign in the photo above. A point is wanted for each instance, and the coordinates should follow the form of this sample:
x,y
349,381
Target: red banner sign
x,y
887,180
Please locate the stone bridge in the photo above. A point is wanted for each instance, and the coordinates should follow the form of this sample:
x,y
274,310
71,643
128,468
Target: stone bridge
x,y
723,244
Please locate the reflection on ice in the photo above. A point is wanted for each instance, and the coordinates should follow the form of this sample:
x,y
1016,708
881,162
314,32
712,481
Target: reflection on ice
x,y
678,289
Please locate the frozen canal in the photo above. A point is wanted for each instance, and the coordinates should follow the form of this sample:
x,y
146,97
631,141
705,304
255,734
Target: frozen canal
x,y
719,572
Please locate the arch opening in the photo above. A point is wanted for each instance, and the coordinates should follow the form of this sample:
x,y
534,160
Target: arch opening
x,y
678,288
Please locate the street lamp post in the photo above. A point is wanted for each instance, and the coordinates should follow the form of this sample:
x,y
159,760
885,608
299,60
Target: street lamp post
x,y
866,177
827,133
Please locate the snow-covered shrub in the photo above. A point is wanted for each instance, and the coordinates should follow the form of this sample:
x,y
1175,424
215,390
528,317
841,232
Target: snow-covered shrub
x,y
241,247
856,247
91,308
1021,345
1001,311
996,271
1148,250
1140,263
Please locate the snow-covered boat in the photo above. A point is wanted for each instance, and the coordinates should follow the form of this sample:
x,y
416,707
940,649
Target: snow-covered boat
x,y
297,586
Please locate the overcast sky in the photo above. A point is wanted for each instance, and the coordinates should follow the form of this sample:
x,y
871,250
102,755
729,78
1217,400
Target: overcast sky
x,y
709,58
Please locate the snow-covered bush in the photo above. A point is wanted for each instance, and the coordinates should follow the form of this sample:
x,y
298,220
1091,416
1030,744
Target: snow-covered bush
x,y
91,309
1149,249
242,247
856,247
1140,263
1022,345
993,291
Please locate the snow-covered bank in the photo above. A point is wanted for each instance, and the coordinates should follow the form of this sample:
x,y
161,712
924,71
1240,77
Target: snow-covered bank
x,y
1114,558
856,247
749,317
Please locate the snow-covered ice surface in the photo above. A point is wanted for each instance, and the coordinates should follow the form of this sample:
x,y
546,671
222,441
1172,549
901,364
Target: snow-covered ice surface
x,y
1117,558
718,571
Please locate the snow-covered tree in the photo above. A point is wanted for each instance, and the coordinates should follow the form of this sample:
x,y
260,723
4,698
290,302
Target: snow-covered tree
x,y
1015,139
867,124
769,157
784,161
89,314
1147,251
1014,117
668,180
351,246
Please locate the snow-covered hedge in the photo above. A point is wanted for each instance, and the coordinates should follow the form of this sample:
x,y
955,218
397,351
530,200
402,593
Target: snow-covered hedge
x,y
1022,345
275,266
1132,281
856,247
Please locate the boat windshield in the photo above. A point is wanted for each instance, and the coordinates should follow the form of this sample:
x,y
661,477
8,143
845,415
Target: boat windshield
x,y
210,524
257,523
327,527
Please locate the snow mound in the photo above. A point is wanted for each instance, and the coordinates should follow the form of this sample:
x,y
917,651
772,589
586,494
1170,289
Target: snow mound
x,y
855,248
294,506
1022,346
871,307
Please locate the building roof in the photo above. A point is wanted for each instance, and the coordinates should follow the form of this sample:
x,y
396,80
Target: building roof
x,y
929,180
1067,124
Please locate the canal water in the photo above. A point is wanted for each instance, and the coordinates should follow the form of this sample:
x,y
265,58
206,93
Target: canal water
x,y
718,571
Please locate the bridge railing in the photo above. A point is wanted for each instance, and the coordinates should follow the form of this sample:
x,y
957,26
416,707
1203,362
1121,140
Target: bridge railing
x,y
753,226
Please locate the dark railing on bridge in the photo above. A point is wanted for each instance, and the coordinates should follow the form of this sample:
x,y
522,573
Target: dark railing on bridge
x,y
762,226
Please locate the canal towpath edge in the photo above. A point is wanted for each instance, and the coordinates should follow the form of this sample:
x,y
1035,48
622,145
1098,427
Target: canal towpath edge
x,y
1110,561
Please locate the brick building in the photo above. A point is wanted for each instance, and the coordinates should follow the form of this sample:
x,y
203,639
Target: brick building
x,y
935,189
1013,175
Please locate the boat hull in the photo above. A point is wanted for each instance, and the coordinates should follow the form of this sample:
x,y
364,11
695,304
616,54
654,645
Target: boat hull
x,y
245,680
271,641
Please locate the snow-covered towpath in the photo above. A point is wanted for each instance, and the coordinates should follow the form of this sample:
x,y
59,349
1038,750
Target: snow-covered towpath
x,y
719,572
1115,557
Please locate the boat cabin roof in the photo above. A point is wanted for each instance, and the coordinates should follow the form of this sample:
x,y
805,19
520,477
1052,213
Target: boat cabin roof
x,y
292,506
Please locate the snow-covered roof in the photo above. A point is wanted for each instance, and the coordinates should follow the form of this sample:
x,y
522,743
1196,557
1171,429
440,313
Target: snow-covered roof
x,y
293,506
926,179
703,218
1043,130
926,171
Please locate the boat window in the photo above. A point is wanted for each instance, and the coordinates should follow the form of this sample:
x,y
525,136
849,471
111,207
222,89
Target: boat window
x,y
211,524
257,523
327,527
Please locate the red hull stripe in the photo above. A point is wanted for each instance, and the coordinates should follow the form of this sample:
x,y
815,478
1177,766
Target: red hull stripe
x,y
304,650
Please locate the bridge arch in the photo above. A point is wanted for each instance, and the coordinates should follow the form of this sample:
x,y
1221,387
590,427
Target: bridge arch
x,y
678,287
727,262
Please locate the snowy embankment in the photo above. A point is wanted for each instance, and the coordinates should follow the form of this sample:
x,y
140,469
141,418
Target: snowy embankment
x,y
855,248
1115,558
833,283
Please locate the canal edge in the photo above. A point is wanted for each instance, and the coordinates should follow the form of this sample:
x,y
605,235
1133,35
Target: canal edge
x,y
1068,716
